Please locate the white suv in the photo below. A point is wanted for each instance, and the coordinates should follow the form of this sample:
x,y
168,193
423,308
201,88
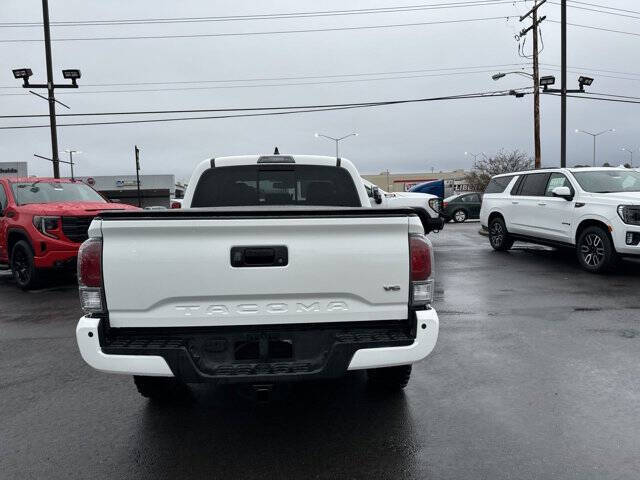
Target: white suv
x,y
593,210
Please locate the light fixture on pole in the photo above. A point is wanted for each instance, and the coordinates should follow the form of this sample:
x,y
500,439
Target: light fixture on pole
x,y
536,109
71,153
337,140
595,136
474,155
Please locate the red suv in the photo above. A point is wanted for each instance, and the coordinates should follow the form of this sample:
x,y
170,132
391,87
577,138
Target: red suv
x,y
43,221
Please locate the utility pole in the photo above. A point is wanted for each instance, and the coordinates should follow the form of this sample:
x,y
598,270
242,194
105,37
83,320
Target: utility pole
x,y
536,77
137,152
563,85
73,75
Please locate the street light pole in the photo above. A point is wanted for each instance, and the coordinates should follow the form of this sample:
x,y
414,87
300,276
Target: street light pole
x,y
595,136
337,140
71,152
630,152
474,155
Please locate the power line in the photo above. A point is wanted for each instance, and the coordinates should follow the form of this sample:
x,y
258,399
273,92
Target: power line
x,y
601,99
173,89
272,16
304,77
237,109
604,6
598,10
274,32
602,29
312,109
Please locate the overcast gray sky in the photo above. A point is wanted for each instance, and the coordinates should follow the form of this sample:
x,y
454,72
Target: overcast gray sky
x,y
403,138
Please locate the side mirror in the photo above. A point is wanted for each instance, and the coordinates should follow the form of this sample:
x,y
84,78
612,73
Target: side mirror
x,y
562,192
377,196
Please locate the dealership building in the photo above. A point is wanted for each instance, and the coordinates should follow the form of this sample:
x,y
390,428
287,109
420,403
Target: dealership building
x,y
454,181
155,190
14,169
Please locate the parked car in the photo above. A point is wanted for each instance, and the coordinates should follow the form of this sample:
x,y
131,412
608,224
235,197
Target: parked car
x,y
43,221
595,211
286,273
462,207
430,203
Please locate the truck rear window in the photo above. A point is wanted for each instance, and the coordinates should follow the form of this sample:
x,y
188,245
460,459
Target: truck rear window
x,y
249,185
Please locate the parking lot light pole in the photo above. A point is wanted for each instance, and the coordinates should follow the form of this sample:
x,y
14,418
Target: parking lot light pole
x,y
70,74
630,151
474,155
595,136
71,152
337,140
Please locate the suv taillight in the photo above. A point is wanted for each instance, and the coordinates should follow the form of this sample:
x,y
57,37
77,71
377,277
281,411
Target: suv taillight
x,y
422,284
90,276
176,205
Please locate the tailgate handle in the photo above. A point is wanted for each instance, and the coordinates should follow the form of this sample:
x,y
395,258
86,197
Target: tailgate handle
x,y
259,256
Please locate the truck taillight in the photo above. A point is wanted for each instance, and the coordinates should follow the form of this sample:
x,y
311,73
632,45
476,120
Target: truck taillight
x,y
422,284
90,276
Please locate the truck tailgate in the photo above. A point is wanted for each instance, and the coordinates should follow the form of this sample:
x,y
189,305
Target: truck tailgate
x,y
177,271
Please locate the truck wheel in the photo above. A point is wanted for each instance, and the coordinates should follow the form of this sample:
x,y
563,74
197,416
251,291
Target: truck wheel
x,y
498,235
391,378
23,267
160,388
460,216
595,250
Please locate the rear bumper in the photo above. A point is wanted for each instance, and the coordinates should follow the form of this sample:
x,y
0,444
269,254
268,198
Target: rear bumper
x,y
197,356
64,259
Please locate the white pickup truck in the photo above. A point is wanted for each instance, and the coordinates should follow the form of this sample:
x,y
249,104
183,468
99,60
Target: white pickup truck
x,y
381,199
284,270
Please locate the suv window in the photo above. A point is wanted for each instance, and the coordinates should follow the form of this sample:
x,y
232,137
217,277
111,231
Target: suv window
x,y
248,185
498,184
3,198
557,180
533,185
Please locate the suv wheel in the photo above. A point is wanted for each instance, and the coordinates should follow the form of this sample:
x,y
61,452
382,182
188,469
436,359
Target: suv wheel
x,y
498,235
160,388
23,267
460,216
390,378
595,250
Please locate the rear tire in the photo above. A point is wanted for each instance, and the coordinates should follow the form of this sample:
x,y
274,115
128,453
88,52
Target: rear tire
x,y
595,250
460,216
499,237
390,378
162,389
23,267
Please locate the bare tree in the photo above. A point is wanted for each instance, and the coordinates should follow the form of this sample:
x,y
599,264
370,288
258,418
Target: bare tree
x,y
502,162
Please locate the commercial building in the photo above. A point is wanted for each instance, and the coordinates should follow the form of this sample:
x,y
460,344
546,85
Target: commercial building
x,y
155,190
454,181
14,169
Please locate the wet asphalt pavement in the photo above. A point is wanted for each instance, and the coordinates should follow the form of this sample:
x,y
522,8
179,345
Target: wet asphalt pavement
x,y
535,376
